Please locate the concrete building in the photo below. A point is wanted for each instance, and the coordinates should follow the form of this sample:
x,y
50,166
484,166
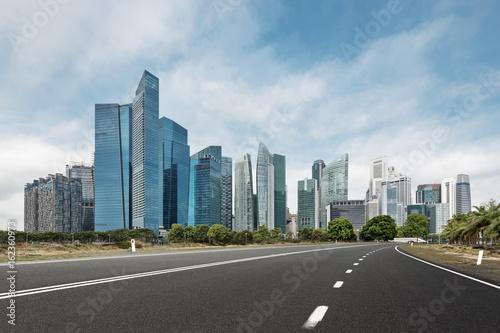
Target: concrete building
x,y
395,196
85,173
449,194
56,205
353,210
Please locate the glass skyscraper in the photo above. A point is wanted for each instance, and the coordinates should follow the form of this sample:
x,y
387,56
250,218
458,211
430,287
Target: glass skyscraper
x,y
317,173
307,199
244,213
428,193
334,183
279,163
463,194
265,187
227,192
145,151
174,173
113,166
205,187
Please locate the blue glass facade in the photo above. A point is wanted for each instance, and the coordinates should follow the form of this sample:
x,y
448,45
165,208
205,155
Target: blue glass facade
x,y
145,154
112,166
279,162
463,194
205,187
174,173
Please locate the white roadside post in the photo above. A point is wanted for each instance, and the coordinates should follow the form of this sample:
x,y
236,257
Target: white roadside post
x,y
480,257
132,241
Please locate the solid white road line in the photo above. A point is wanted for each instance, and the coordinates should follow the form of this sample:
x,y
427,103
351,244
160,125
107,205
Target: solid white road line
x,y
338,284
348,271
449,270
315,317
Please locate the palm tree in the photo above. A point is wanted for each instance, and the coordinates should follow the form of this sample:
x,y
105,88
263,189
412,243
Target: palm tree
x,y
455,227
485,222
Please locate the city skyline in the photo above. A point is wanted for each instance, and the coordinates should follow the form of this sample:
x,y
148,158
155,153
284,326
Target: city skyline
x,y
259,75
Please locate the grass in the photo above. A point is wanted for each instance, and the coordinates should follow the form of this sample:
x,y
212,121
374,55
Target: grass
x,y
462,258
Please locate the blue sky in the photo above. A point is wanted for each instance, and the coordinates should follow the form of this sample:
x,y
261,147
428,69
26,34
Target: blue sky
x,y
422,86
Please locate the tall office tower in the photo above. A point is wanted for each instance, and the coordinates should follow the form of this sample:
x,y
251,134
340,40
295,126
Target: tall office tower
x,y
226,213
279,163
308,202
145,155
205,187
174,173
378,173
334,184
395,196
448,194
317,173
244,214
53,204
463,194
265,187
422,209
85,173
439,214
428,193
113,166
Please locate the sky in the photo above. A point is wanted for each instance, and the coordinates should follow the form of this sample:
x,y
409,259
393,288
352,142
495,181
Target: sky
x,y
416,81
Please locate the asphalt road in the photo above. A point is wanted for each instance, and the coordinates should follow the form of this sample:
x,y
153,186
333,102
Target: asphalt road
x,y
328,288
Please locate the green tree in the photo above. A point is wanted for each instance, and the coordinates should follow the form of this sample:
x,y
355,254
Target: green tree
x,y
485,222
380,227
232,237
400,231
276,233
454,229
189,233
218,234
176,233
341,228
319,235
200,233
416,225
244,237
305,234
262,234
289,236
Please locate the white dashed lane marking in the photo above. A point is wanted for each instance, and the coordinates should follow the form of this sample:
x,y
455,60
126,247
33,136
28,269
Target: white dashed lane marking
x,y
338,284
348,271
315,317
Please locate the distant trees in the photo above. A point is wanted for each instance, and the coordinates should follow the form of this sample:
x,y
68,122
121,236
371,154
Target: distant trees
x,y
218,234
416,225
342,229
380,227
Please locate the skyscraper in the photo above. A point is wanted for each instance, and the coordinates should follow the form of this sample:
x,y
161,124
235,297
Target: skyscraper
x,y
226,213
113,166
174,173
448,195
265,187
205,187
463,194
334,184
85,173
353,210
439,214
145,150
308,202
244,214
428,193
395,196
378,173
279,163
317,173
